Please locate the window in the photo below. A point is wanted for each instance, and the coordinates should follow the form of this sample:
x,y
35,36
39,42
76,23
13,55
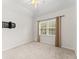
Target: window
x,y
47,27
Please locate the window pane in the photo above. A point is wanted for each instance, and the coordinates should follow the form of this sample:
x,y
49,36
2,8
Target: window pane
x,y
52,31
43,31
52,23
43,25
47,27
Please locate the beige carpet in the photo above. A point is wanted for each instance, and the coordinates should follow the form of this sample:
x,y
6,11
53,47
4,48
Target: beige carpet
x,y
37,50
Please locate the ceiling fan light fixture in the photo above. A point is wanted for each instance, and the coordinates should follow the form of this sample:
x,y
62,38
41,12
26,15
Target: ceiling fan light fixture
x,y
34,3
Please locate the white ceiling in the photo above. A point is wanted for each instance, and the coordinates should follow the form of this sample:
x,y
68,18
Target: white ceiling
x,y
46,6
54,5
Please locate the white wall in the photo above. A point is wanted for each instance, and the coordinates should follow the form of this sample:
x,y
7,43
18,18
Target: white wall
x,y
68,28
22,16
17,11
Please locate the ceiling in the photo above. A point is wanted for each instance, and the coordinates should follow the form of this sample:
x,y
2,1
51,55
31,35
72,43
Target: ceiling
x,y
54,5
45,6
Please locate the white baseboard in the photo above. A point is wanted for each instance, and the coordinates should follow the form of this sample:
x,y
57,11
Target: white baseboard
x,y
69,48
16,45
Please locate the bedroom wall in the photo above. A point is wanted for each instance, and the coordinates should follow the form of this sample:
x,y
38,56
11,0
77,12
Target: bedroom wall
x,y
14,11
68,28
